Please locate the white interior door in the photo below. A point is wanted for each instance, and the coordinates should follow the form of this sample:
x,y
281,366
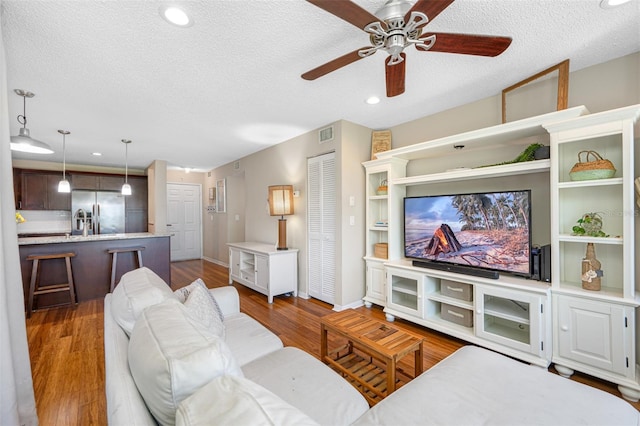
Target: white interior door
x,y
184,220
321,208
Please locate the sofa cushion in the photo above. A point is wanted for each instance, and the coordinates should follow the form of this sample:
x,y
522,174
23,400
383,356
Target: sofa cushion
x,y
309,385
233,401
183,294
137,290
248,339
201,305
475,386
171,355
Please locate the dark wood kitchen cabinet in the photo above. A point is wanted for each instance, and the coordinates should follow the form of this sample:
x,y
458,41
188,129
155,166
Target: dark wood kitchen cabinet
x,y
95,182
39,191
136,205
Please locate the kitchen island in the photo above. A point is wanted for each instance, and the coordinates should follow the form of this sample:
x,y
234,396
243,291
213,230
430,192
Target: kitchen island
x,y
92,262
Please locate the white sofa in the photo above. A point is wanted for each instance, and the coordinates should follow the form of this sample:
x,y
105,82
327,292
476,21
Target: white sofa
x,y
280,385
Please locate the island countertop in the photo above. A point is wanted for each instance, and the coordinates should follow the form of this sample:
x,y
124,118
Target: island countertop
x,y
57,239
92,262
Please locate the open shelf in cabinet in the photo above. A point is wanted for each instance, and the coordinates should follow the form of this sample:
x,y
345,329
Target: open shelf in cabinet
x,y
439,297
610,255
528,167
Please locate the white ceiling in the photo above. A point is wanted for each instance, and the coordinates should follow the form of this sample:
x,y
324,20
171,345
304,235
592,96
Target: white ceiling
x,y
230,85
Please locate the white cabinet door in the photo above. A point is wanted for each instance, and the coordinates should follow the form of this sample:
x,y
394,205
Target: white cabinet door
x,y
234,264
262,272
511,318
404,291
376,283
592,333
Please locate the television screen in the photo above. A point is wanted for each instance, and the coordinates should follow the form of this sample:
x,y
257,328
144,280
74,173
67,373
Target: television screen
x,y
483,230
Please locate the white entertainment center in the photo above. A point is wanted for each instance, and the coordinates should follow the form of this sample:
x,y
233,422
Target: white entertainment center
x,y
535,321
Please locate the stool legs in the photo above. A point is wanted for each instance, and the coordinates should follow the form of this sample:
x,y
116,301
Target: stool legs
x,y
34,283
72,287
35,271
114,261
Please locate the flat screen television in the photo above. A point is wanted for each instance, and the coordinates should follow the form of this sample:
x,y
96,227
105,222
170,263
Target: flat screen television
x,y
488,231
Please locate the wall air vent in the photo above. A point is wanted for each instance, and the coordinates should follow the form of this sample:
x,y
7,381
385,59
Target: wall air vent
x,y
325,135
236,165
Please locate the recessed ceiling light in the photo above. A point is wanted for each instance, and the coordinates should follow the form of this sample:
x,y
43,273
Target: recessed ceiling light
x,y
609,4
372,100
97,154
176,16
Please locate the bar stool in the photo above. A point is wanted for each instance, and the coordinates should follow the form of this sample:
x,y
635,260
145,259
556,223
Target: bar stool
x,y
34,285
114,261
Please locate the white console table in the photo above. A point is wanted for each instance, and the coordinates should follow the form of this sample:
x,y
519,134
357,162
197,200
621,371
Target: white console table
x,y
264,269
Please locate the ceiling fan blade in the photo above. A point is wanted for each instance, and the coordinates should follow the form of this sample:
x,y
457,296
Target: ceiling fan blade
x,y
330,66
431,8
468,44
347,10
395,76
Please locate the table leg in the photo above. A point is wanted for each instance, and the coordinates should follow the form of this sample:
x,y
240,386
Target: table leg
x,y
418,360
391,376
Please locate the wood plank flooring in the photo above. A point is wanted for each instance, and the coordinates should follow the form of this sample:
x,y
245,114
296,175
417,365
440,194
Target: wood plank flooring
x,y
67,353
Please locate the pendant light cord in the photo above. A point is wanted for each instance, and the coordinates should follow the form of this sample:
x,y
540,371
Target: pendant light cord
x,y
64,156
22,119
126,163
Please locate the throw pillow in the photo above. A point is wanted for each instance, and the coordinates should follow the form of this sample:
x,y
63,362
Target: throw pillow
x,y
235,401
183,294
171,356
200,305
137,290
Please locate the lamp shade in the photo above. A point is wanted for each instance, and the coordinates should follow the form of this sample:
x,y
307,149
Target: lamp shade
x,y
64,186
280,200
25,143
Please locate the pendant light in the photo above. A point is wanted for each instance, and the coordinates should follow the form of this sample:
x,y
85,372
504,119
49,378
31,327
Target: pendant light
x,y
23,142
63,185
126,188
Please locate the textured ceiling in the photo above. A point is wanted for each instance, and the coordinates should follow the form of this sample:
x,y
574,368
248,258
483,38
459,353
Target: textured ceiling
x,y
230,85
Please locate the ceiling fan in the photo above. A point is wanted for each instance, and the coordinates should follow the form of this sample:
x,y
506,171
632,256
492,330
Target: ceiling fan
x,y
396,26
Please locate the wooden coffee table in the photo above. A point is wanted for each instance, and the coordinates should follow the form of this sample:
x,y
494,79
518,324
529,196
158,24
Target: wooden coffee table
x,y
372,369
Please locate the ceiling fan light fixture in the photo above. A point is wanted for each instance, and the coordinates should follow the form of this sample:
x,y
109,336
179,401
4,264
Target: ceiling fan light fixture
x,y
176,16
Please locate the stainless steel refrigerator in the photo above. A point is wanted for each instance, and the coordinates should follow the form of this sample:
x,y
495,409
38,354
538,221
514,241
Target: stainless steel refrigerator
x,y
101,211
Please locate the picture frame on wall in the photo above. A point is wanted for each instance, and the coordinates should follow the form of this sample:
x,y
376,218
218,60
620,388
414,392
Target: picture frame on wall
x,y
221,205
380,142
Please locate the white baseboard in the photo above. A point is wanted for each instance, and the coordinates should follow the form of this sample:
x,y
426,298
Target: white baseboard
x,y
303,295
216,261
352,305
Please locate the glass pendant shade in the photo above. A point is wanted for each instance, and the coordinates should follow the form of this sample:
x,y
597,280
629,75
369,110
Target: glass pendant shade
x,y
64,186
126,189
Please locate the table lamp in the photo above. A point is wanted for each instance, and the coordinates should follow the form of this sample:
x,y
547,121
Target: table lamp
x,y
281,204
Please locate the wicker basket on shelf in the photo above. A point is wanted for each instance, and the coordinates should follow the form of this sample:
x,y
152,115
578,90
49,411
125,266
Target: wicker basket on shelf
x,y
597,168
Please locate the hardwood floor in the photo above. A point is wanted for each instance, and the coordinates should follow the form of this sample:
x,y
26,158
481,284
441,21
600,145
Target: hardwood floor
x,y
67,354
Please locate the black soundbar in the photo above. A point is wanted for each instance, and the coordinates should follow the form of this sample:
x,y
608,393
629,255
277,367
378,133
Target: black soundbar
x,y
460,269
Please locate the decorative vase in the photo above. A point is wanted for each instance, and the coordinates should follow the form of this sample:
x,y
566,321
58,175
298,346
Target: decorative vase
x,y
591,272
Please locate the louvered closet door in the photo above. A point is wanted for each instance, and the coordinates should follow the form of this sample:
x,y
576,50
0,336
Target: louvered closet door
x,y
321,208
